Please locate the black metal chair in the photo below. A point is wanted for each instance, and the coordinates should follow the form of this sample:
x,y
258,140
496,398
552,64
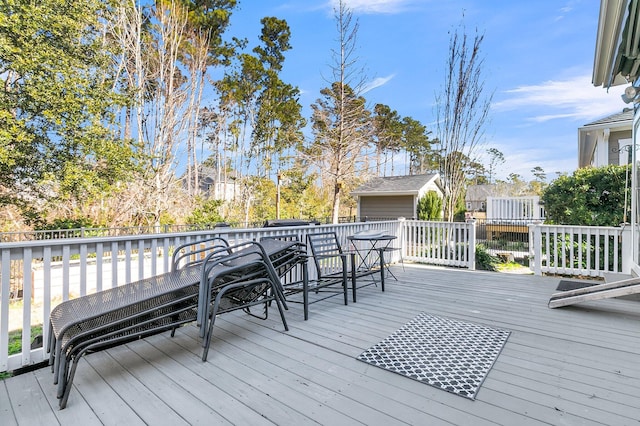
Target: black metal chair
x,y
330,277
241,280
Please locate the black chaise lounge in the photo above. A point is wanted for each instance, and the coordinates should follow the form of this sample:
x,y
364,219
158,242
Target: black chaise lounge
x,y
208,277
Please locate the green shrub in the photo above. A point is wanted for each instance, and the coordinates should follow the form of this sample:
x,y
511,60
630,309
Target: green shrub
x,y
592,196
206,212
484,260
430,206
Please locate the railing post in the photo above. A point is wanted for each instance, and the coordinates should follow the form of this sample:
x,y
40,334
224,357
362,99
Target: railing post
x,y
400,234
535,247
625,233
472,244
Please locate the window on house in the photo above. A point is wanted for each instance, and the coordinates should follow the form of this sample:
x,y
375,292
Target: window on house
x,y
624,151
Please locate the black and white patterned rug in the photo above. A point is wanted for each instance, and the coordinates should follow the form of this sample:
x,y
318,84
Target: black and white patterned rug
x,y
445,353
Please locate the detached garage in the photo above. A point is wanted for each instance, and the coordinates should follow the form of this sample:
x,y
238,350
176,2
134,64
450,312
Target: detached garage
x,y
395,196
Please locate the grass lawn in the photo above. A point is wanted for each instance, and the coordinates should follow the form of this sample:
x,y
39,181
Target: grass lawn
x,y
15,344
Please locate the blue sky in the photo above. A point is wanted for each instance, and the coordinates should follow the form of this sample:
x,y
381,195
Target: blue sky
x,y
538,62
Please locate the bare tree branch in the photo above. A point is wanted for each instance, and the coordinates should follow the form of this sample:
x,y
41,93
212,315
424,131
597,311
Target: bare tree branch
x,y
462,109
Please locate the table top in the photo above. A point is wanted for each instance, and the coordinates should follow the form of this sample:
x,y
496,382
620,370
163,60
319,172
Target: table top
x,y
365,237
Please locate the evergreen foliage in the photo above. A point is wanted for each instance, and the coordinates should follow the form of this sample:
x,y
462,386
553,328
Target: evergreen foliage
x,y
430,206
590,196
206,212
56,102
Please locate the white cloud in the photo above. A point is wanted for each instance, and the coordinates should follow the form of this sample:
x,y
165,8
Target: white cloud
x,y
574,98
374,6
376,82
555,154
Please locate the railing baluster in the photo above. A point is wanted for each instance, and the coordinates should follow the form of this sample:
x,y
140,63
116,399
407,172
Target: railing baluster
x,y
127,262
99,266
5,289
114,264
65,272
141,274
26,305
83,269
46,295
153,257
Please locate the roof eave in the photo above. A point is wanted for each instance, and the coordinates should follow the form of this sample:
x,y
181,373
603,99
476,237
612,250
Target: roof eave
x,y
610,25
385,193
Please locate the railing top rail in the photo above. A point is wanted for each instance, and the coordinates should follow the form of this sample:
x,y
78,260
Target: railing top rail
x,y
68,233
184,234
547,225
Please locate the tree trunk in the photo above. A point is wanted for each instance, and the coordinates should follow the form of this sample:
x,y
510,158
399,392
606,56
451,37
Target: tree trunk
x,y
336,202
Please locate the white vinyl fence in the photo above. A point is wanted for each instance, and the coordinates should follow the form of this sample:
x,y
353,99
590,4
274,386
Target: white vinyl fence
x,y
580,250
440,243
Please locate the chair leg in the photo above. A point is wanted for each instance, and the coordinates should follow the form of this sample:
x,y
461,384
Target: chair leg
x,y
382,264
56,360
67,386
353,276
305,291
281,310
51,347
207,338
68,380
345,280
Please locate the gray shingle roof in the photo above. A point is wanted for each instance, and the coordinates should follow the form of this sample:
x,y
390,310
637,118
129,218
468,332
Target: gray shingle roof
x,y
625,115
395,184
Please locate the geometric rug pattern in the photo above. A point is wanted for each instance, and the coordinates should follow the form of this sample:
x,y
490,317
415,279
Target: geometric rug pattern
x,y
452,355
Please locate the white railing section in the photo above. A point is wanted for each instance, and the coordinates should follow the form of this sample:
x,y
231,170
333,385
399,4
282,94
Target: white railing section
x,y
579,250
514,209
37,275
440,243
44,273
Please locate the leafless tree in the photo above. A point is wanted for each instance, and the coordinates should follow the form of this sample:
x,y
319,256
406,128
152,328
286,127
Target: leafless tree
x,y
341,121
462,110
163,98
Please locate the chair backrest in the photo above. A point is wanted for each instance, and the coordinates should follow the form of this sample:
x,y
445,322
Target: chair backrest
x,y
326,252
288,262
247,262
194,253
285,237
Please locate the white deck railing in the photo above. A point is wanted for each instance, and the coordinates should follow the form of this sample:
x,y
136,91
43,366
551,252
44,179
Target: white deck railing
x,y
514,209
50,271
440,243
579,250
46,272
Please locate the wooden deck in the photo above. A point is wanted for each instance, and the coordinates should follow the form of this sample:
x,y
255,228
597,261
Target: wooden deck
x,y
577,365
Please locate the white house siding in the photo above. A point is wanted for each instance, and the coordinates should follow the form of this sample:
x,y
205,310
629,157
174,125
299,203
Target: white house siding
x,y
608,146
390,206
431,186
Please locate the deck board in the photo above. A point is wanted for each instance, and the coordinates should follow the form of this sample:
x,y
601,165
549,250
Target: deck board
x,y
30,405
573,365
6,411
83,414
